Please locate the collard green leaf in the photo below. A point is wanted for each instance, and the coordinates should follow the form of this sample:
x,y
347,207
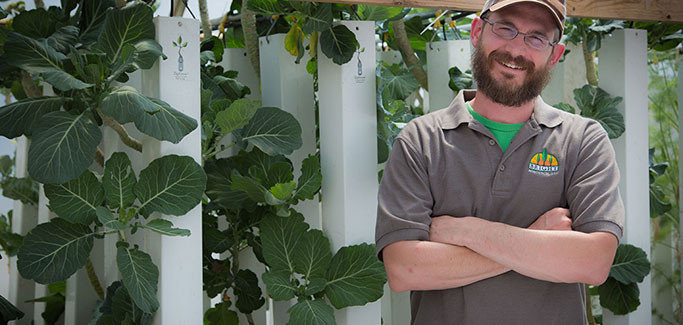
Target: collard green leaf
x,y
278,285
339,44
315,285
248,292
38,58
267,7
459,80
93,14
124,310
237,115
310,180
119,181
6,165
229,88
22,117
171,185
398,82
63,147
311,312
8,311
127,25
220,314
78,199
140,277
620,298
280,238
281,191
565,107
320,20
152,116
36,23
274,131
217,241
377,13
355,277
53,251
108,220
142,55
219,184
248,185
63,38
23,189
630,264
312,255
165,227
600,106
3,13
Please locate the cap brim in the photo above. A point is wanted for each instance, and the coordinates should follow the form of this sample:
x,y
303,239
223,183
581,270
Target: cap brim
x,y
503,4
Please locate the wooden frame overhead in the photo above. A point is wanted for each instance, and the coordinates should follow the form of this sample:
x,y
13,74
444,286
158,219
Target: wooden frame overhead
x,y
641,10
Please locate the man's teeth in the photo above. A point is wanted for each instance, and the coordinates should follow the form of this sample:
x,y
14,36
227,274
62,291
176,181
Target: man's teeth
x,y
511,66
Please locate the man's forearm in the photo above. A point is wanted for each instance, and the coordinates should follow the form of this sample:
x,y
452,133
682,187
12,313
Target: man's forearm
x,y
557,256
426,265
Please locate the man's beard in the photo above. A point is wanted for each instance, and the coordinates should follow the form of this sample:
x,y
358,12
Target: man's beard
x,y
502,92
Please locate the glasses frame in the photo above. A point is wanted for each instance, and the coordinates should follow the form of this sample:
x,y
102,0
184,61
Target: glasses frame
x,y
517,33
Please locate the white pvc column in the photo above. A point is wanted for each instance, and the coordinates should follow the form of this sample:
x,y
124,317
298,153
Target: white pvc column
x,y
25,217
566,76
179,258
348,148
289,86
237,59
623,72
441,56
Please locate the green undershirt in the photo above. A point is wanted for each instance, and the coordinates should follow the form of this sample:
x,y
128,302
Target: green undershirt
x,y
502,131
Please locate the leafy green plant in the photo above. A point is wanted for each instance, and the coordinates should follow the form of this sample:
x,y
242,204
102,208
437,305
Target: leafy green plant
x,y
595,103
84,57
54,303
620,292
589,33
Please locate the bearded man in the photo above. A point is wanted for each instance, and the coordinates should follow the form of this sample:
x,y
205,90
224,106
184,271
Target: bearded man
x,y
497,209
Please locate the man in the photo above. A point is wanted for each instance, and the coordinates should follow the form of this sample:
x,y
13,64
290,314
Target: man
x,y
496,209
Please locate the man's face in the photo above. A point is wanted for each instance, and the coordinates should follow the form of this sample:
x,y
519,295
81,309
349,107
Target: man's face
x,y
509,71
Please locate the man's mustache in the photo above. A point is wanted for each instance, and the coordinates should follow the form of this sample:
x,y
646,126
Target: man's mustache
x,y
507,57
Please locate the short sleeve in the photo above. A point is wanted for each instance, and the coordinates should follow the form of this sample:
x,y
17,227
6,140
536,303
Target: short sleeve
x,y
593,191
405,200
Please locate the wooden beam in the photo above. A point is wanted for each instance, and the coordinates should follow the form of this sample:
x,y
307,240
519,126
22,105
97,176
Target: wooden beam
x,y
641,10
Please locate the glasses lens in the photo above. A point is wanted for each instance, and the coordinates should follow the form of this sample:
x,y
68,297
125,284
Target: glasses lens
x,y
536,42
504,31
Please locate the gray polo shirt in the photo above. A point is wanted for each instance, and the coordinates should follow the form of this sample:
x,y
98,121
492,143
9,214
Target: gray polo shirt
x,y
447,163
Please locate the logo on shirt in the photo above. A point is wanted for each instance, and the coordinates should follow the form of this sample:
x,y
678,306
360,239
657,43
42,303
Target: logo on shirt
x,y
544,163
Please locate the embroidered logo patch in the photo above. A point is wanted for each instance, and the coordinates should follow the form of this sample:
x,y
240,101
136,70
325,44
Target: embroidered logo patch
x,y
544,163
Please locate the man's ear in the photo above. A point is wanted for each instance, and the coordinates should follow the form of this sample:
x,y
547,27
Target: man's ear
x,y
475,32
556,55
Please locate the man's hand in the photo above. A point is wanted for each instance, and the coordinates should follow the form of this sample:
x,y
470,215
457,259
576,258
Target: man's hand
x,y
553,219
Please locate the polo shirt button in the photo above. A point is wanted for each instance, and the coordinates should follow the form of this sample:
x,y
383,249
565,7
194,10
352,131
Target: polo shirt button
x,y
501,168
491,142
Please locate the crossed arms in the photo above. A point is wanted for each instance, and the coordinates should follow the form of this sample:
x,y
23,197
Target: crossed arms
x,y
465,250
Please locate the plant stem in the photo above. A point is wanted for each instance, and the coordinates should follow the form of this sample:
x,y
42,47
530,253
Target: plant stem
x,y
30,87
204,16
589,60
589,307
121,131
248,21
411,60
94,280
99,157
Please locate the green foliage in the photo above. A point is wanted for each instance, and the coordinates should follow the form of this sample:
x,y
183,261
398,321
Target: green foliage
x,y
591,31
459,80
220,314
8,311
54,303
595,103
139,276
119,308
339,44
77,200
301,264
620,292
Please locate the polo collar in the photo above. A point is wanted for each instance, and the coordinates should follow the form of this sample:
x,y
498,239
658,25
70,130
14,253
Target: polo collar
x,y
456,113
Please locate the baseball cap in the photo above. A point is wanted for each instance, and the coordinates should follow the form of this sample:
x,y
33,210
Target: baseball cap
x,y
556,7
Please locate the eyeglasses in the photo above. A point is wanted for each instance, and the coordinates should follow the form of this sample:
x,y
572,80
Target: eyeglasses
x,y
508,32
